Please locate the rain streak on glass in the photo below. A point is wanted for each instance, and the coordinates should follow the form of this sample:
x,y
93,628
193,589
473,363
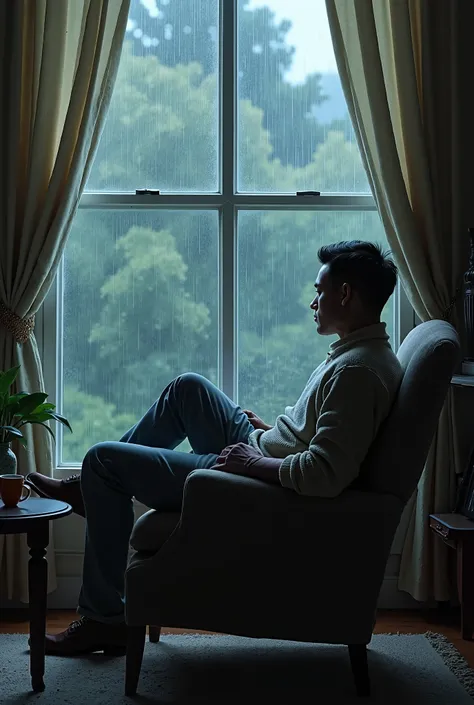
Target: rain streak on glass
x,y
140,306
165,102
295,133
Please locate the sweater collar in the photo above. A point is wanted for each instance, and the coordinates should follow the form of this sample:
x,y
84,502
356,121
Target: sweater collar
x,y
377,331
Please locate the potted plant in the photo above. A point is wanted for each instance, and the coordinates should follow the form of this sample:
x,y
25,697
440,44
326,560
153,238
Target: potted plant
x,y
16,411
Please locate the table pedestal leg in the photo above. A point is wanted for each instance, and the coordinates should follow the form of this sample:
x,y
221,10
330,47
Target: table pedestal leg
x,y
37,587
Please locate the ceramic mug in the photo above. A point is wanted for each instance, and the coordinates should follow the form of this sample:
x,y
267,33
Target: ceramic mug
x,y
11,490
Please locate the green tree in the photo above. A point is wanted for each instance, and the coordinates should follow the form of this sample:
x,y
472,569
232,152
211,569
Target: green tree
x,y
184,32
94,421
146,310
160,130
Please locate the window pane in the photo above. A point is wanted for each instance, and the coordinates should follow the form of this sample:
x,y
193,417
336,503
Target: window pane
x,y
294,128
140,306
161,129
278,346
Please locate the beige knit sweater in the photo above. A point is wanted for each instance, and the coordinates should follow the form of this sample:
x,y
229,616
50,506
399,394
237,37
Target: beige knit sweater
x,y
325,437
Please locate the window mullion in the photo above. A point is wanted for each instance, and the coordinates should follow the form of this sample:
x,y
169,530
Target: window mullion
x,y
228,54
228,308
228,299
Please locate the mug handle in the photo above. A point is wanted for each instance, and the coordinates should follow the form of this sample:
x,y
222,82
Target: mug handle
x,y
28,490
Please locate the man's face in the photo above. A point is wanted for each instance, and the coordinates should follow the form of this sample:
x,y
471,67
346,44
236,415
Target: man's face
x,y
327,305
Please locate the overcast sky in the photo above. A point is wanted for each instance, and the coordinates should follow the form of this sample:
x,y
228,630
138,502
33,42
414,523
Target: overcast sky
x,y
309,34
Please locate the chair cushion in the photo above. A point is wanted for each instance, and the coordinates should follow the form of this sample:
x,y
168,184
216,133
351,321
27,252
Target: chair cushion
x,y
153,529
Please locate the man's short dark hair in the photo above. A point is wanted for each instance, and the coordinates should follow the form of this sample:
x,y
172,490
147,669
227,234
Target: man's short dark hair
x,y
363,265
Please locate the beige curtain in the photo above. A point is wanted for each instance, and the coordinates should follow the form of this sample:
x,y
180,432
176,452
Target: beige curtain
x,y
59,60
404,69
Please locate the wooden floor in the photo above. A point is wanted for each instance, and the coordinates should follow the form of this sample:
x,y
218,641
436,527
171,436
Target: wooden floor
x,y
388,621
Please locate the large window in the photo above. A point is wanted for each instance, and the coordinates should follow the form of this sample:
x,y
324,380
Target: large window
x,y
228,108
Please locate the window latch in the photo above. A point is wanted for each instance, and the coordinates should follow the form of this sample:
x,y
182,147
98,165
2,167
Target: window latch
x,y
308,193
147,192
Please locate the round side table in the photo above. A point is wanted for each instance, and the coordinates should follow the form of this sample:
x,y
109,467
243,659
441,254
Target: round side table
x,y
32,518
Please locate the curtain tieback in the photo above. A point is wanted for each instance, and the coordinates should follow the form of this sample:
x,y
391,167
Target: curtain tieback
x,y
20,328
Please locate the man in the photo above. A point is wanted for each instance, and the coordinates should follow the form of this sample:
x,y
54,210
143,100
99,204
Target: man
x,y
315,447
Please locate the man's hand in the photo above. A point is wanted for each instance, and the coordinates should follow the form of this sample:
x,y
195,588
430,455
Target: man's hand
x,y
241,459
236,458
256,421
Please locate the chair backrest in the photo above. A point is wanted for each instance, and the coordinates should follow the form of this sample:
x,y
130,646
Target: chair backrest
x,y
394,464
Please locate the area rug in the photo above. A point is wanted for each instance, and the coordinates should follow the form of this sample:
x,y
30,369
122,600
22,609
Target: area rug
x,y
226,670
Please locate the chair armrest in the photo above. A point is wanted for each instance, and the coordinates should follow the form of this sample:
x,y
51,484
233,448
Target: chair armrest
x,y
231,514
211,492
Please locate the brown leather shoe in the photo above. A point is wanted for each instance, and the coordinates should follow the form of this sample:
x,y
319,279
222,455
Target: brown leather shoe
x,y
85,636
67,490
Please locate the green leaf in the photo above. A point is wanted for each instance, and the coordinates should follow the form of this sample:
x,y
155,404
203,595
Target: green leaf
x,y
45,407
12,406
7,378
34,416
12,431
15,398
62,419
45,416
31,402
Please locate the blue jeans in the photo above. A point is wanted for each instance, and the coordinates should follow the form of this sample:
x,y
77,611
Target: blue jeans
x,y
144,464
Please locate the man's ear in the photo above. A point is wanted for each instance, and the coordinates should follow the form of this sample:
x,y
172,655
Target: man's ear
x,y
346,292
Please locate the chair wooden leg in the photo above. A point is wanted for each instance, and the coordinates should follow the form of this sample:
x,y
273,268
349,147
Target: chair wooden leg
x,y
135,646
360,668
154,633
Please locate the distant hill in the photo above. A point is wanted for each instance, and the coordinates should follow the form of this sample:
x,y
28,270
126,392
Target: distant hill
x,y
334,108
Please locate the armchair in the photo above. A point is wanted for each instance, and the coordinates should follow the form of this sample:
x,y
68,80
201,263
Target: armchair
x,y
258,560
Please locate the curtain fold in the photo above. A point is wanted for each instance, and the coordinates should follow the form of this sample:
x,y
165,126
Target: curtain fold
x,y
402,65
59,59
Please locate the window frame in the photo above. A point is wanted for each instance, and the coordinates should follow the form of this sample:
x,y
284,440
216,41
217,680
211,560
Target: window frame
x,y
227,202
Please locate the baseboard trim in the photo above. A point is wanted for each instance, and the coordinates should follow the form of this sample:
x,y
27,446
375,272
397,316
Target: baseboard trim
x,y
66,595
